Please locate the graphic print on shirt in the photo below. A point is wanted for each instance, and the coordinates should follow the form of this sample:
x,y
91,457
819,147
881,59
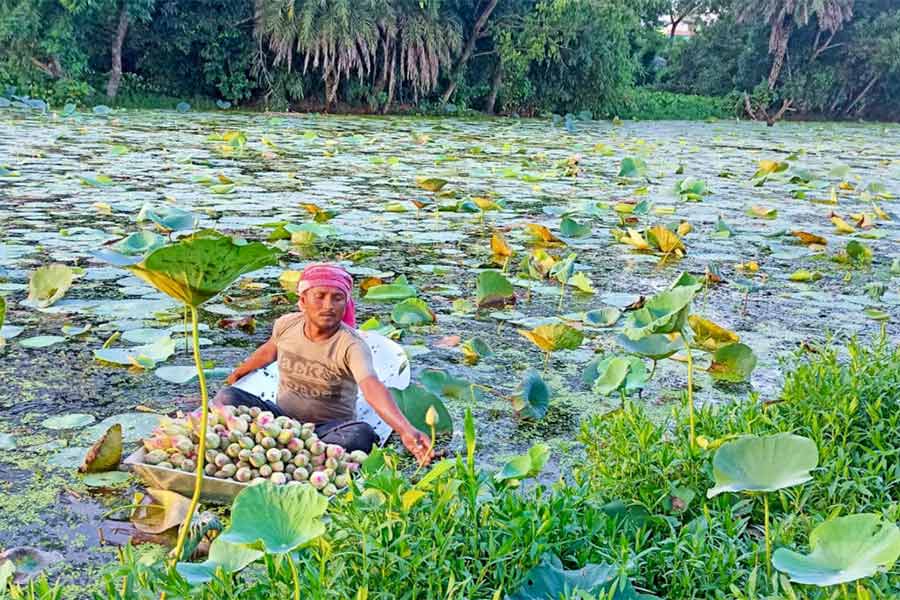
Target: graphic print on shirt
x,y
309,378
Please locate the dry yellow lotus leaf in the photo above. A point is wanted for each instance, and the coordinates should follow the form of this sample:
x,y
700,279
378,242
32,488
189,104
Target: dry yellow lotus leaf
x,y
842,225
499,247
809,238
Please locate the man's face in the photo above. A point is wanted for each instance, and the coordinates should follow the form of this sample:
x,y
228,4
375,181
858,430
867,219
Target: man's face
x,y
324,306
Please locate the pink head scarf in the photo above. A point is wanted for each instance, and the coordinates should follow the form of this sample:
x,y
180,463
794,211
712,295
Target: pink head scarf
x,y
328,275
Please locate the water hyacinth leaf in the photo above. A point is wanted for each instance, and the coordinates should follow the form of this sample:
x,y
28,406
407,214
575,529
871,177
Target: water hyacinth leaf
x,y
41,341
571,228
431,184
197,268
843,550
224,555
414,403
49,284
70,421
632,168
656,346
525,465
709,336
162,510
554,336
105,454
763,463
733,363
412,311
28,562
532,399
276,519
603,317
493,289
665,312
398,290
550,581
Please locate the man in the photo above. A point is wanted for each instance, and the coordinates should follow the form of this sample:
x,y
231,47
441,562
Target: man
x,y
321,361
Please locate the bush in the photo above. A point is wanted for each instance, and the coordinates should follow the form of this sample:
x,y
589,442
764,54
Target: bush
x,y
649,104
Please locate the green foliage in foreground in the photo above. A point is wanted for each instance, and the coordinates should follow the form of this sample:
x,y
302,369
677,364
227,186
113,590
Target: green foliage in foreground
x,y
637,503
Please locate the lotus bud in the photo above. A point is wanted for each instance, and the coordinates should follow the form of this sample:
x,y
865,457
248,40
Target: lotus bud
x,y
176,459
318,447
300,474
221,460
278,478
155,457
246,442
341,481
243,475
331,463
244,455
289,468
283,421
286,455
318,480
265,471
334,451
318,460
300,459
273,454
233,450
254,411
212,439
264,418
329,490
254,428
431,416
166,465
329,473
210,469
358,456
352,467
188,465
268,442
285,436
277,466
229,470
257,459
295,445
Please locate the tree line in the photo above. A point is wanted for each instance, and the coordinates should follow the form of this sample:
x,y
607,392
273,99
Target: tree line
x,y
758,58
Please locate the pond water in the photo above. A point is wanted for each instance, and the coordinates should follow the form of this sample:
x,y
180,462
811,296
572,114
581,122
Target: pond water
x,y
70,185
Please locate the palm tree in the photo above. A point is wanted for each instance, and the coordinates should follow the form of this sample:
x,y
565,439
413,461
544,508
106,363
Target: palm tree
x,y
783,16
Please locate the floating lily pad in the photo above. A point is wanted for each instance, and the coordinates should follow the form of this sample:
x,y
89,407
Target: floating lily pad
x,y
494,290
41,341
733,363
29,562
412,311
135,426
105,479
7,442
49,284
70,421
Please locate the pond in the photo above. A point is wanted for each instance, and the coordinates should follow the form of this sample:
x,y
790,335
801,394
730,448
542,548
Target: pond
x,y
771,212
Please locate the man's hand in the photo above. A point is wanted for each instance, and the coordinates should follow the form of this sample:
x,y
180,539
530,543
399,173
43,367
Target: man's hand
x,y
418,444
233,377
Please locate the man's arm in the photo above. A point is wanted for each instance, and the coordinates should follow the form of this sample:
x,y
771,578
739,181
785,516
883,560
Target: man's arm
x,y
261,357
381,401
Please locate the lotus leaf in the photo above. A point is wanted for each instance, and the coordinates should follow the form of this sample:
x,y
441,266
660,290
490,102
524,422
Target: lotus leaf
x,y
412,311
446,385
553,337
533,396
603,317
666,312
431,184
539,233
69,421
633,168
625,373
398,290
228,557
474,350
526,465
145,356
167,218
414,403
276,519
106,452
28,562
139,243
550,581
499,247
7,442
135,426
656,346
199,267
843,550
49,284
573,229
105,479
763,463
163,510
665,240
562,270
691,189
733,362
493,289
41,341
708,335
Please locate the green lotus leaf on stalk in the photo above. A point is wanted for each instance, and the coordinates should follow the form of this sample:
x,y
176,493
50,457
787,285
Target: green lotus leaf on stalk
x,y
197,268
763,463
843,550
666,312
656,346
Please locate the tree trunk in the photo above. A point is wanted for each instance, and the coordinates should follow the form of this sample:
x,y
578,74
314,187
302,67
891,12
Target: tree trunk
x,y
115,74
862,94
392,82
781,38
477,28
495,89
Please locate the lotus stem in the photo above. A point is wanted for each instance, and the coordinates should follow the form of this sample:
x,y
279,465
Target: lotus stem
x,y
562,294
690,387
201,449
652,370
546,362
294,576
766,531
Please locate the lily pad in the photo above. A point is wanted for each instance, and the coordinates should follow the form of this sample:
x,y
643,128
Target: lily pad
x,y
276,519
763,463
135,426
412,311
139,243
733,363
603,317
398,290
656,346
665,312
167,218
843,550
49,284
493,290
571,228
532,399
553,337
29,562
41,341
632,167
145,356
709,336
616,373
69,421
106,479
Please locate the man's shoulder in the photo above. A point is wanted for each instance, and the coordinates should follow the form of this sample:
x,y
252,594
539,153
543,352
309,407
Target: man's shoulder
x,y
285,322
351,336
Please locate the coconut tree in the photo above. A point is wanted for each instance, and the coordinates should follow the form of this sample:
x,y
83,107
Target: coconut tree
x,y
784,16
